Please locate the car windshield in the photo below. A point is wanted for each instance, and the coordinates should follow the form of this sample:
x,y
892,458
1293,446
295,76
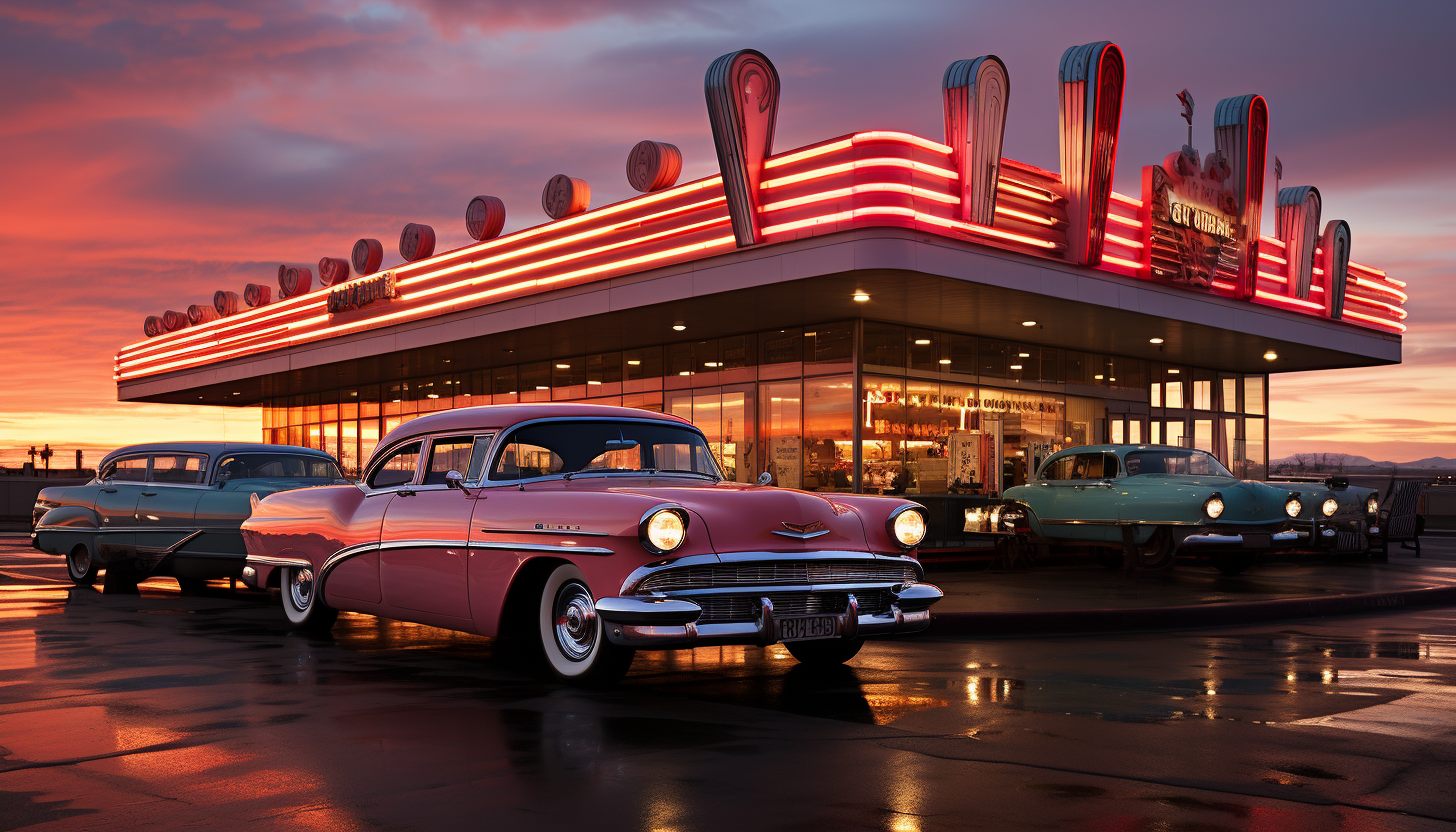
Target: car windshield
x,y
266,466
578,447
1174,461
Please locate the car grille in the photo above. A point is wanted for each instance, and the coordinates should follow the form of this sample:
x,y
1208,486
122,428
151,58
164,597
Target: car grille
x,y
720,609
777,573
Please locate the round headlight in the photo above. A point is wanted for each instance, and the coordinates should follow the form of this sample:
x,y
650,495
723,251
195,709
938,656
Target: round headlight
x,y
1214,507
1372,505
908,527
664,530
1330,506
1293,507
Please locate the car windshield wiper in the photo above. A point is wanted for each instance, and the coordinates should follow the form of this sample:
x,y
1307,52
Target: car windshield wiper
x,y
713,477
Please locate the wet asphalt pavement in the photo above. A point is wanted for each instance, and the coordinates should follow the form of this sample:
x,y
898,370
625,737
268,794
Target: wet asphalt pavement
x,y
167,711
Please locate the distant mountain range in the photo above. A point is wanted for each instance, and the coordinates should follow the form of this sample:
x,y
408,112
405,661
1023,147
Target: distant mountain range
x,y
1327,462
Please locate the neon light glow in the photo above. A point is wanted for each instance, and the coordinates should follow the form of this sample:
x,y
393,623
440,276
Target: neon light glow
x,y
1023,189
859,164
1297,303
897,211
1126,200
1023,215
867,188
1123,241
1128,221
1118,261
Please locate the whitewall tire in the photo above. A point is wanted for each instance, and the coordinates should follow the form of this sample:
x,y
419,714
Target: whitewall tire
x,y
571,635
301,601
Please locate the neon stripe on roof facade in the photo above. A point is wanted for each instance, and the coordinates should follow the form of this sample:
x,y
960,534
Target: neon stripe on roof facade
x,y
864,180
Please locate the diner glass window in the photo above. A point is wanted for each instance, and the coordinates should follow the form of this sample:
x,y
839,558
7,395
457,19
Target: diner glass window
x,y
1203,434
535,381
1254,449
884,345
1116,435
924,349
179,469
1156,394
398,468
349,447
828,433
780,433
1155,433
1173,393
1230,403
368,439
503,381
882,434
783,346
642,364
1203,394
568,372
331,439
738,351
1134,431
1173,432
829,344
992,357
1254,395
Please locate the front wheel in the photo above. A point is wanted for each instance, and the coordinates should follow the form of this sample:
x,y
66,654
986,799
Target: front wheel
x,y
572,634
827,652
306,611
81,566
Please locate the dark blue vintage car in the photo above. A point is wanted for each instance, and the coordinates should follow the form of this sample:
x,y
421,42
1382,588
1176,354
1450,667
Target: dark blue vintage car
x,y
170,509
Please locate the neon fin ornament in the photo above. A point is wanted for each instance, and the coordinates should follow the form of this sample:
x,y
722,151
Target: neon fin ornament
x,y
1090,113
976,93
1297,223
1334,261
742,89
1241,134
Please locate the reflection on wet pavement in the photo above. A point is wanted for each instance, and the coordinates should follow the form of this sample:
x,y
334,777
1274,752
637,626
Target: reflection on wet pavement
x,y
168,710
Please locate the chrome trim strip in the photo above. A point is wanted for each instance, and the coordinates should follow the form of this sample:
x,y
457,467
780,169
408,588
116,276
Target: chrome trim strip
x,y
267,560
166,550
641,573
547,531
540,547
776,589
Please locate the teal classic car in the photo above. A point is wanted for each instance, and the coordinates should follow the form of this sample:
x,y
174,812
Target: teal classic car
x,y
170,509
1158,501
1338,518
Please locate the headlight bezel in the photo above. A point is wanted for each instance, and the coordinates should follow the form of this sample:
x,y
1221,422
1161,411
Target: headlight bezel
x,y
1293,507
1214,506
1372,505
645,528
892,524
1329,507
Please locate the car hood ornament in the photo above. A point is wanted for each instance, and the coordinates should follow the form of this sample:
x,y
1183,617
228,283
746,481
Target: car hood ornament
x,y
805,531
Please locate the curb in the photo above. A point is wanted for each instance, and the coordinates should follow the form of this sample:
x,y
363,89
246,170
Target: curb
x,y
1180,618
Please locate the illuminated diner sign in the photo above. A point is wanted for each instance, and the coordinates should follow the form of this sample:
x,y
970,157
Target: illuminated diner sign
x,y
1194,235
1191,216
357,294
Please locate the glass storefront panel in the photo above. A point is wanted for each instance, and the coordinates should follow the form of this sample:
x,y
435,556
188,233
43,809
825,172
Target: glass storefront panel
x,y
331,439
884,345
1254,395
349,447
1254,448
882,433
779,426
828,433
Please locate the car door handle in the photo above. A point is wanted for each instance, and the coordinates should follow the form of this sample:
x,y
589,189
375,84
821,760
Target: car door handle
x,y
108,491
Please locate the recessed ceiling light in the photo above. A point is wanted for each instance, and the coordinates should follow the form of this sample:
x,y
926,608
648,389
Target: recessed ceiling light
x,y
1098,378
685,373
1016,366
1028,323
861,297
1155,340
433,396
563,366
540,387
1174,372
1023,355
1270,355
921,342
945,360
634,363
679,327
593,382
354,392
239,394
710,363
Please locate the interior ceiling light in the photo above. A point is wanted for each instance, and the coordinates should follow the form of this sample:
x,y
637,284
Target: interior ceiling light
x,y
1016,366
1023,355
1028,323
861,297
563,366
945,360
922,342
679,327
1174,371
1155,340
634,363
1270,355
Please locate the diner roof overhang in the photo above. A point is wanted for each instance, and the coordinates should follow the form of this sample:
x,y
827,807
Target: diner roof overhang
x,y
911,277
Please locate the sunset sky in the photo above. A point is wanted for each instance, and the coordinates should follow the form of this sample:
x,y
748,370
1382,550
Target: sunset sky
x,y
151,153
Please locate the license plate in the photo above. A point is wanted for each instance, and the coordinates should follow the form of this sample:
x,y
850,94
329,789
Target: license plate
x,y
1256,541
805,627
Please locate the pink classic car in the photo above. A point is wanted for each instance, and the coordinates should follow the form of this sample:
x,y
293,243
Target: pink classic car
x,y
593,532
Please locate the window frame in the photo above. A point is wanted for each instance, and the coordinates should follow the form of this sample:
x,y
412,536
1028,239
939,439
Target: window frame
x,y
205,469
146,476
383,456
427,455
503,436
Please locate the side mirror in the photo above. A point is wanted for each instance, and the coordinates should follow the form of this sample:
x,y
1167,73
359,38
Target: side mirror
x,y
454,479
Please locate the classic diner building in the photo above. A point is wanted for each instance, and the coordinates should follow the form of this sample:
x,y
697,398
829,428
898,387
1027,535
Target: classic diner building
x,y
878,312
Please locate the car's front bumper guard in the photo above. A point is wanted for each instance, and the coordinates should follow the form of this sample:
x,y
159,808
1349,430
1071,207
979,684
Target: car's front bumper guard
x,y
1214,541
647,622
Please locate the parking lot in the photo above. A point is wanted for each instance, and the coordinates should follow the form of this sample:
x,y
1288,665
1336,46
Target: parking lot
x,y
163,710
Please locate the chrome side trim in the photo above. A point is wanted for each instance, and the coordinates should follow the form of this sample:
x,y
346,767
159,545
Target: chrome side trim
x,y
267,560
547,531
166,550
641,573
801,535
540,547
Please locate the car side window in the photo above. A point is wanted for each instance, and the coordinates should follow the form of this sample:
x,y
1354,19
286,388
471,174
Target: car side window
x,y
179,469
1109,466
522,460
1059,469
130,469
448,453
1087,467
398,468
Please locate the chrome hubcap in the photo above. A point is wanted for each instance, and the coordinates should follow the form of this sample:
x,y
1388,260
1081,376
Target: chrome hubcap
x,y
576,621
300,584
80,561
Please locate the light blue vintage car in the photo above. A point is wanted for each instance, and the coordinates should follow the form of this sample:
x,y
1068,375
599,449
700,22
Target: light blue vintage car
x,y
1158,501
1338,517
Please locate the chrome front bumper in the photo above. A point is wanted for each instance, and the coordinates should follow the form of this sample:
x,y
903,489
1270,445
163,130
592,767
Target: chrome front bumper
x,y
647,622
1213,541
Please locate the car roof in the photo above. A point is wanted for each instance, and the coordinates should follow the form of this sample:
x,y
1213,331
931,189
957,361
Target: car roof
x,y
1121,449
212,449
502,416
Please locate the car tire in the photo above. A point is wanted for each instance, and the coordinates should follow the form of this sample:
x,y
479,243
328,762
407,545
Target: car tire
x,y
1233,564
1158,552
305,610
82,566
829,652
572,636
